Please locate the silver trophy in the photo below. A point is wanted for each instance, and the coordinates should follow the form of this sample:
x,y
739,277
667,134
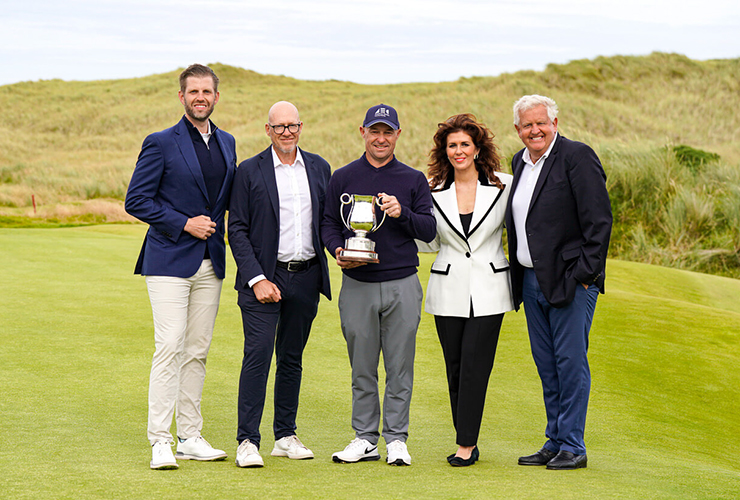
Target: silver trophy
x,y
361,221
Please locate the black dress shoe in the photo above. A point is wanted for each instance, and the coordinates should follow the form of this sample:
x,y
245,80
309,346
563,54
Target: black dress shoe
x,y
542,457
566,460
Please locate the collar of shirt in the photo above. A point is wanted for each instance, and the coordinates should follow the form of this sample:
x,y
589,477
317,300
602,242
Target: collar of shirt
x,y
276,160
195,133
528,159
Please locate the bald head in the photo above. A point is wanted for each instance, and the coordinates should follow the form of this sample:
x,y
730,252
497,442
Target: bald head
x,y
284,129
280,110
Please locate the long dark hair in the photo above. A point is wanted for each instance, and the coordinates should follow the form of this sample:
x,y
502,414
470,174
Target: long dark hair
x,y
487,164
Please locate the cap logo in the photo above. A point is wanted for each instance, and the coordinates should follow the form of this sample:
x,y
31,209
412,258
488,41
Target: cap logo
x,y
382,112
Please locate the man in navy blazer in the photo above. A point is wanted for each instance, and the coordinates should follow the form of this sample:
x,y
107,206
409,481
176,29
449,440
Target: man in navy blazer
x,y
276,205
181,187
558,223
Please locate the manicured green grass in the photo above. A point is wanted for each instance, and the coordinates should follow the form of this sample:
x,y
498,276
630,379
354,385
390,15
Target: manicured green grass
x,y
76,336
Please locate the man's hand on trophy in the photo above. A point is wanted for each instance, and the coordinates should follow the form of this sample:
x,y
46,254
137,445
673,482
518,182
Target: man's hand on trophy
x,y
346,264
266,291
390,205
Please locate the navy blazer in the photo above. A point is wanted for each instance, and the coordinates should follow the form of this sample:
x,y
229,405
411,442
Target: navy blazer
x,y
254,217
569,223
166,189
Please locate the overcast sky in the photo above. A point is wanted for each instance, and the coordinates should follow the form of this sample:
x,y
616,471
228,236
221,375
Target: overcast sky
x,y
373,41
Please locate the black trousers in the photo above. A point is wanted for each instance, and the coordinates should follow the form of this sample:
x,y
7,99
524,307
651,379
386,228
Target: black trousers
x,y
284,326
469,347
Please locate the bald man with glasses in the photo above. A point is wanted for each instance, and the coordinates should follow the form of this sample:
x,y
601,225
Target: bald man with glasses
x,y
276,203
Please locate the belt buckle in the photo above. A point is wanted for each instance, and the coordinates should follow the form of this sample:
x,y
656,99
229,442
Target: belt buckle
x,y
294,266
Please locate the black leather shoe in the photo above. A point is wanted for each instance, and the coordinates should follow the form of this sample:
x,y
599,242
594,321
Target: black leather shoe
x,y
542,457
566,460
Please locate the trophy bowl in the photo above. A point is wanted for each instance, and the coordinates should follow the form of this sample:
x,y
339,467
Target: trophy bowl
x,y
362,221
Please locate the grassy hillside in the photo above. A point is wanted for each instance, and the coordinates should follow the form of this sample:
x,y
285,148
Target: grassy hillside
x,y
77,345
73,145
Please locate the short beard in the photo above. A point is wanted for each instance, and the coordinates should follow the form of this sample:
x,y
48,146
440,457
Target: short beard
x,y
286,151
190,111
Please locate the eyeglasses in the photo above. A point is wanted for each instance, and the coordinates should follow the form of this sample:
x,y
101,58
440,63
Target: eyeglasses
x,y
292,128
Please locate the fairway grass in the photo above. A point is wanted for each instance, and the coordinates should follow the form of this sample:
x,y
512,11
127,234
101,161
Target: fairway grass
x,y
77,339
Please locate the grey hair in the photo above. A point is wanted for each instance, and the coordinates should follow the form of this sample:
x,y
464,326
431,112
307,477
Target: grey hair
x,y
528,102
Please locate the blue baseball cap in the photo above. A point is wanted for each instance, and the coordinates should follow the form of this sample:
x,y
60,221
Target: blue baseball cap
x,y
382,113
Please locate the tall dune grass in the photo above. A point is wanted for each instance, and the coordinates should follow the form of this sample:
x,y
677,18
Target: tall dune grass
x,y
70,143
667,214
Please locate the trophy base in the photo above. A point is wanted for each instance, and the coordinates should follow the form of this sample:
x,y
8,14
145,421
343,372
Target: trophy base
x,y
359,256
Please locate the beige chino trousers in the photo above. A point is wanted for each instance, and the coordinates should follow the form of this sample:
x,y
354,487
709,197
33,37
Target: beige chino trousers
x,y
184,312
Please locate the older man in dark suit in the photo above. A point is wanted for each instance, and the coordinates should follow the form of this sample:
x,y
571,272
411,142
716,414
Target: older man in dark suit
x,y
559,223
180,187
276,205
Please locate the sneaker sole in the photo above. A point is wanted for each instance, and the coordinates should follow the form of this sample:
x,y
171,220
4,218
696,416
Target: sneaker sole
x,y
215,458
399,462
163,466
250,466
279,453
371,458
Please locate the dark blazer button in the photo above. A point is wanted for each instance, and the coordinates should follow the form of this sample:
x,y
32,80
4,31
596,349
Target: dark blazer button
x,y
467,254
208,207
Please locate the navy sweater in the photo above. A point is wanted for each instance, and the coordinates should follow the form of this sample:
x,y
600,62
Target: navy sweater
x,y
394,241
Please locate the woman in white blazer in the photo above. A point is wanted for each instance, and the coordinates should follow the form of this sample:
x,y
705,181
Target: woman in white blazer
x,y
469,289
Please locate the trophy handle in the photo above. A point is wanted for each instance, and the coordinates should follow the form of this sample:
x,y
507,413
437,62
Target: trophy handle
x,y
345,199
379,203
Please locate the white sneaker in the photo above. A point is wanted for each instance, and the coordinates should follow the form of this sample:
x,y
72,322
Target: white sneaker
x,y
291,447
162,458
247,455
197,448
358,450
398,454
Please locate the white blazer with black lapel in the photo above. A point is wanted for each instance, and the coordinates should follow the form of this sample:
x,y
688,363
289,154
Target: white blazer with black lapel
x,y
472,269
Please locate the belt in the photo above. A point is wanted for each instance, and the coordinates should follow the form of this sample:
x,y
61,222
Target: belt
x,y
297,265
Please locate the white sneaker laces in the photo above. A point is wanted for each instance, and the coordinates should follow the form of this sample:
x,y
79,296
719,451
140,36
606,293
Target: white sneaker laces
x,y
396,447
293,441
243,447
356,443
200,439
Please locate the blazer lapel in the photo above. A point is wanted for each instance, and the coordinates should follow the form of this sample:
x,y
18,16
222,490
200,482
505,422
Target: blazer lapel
x,y
516,170
545,172
267,167
446,203
312,188
229,159
185,143
486,198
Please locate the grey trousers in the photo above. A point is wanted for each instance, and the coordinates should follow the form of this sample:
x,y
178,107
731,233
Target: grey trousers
x,y
381,317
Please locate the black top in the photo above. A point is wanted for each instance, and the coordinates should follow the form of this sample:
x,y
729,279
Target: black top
x,y
466,219
212,164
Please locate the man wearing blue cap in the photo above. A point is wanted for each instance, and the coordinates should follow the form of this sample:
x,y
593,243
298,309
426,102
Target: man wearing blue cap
x,y
380,303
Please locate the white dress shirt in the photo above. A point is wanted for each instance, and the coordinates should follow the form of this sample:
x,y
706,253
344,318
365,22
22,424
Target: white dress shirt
x,y
521,200
296,213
